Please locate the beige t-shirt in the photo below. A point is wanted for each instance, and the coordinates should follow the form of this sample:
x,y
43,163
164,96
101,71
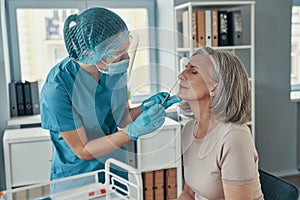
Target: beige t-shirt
x,y
226,155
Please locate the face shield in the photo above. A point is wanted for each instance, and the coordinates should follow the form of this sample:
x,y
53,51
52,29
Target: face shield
x,y
118,62
132,52
121,57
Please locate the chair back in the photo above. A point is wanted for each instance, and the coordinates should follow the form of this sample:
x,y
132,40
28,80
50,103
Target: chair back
x,y
275,188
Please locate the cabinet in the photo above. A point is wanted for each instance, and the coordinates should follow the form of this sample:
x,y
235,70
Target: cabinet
x,y
188,25
28,151
159,151
27,156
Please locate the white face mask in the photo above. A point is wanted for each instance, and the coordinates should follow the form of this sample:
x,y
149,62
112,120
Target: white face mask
x,y
116,68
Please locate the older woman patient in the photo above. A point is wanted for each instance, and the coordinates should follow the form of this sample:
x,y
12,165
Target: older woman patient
x,y
220,159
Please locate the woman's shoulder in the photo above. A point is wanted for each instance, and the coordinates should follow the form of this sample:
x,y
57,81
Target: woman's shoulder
x,y
236,134
62,74
233,128
60,71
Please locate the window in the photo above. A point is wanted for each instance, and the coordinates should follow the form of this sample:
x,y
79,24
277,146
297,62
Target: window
x,y
40,39
38,30
295,53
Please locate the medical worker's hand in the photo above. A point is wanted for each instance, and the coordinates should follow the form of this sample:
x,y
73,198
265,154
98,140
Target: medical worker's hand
x,y
158,99
147,122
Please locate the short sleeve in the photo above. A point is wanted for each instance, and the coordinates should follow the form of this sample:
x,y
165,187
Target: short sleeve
x,y
238,158
56,109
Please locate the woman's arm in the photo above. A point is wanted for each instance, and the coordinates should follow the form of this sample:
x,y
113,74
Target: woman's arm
x,y
87,150
239,192
130,115
187,193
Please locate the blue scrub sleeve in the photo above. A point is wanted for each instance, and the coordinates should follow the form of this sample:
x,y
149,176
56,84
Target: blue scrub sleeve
x,y
56,109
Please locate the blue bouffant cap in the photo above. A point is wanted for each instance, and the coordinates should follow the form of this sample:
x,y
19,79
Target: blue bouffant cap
x,y
91,34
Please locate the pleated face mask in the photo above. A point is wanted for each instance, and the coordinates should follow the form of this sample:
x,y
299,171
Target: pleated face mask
x,y
116,68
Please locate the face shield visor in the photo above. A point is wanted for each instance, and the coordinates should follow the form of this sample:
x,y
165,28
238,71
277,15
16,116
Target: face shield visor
x,y
118,61
121,57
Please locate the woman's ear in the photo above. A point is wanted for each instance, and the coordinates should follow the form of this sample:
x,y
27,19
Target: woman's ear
x,y
213,89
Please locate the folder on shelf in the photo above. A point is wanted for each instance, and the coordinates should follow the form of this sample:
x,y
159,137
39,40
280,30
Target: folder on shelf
x,y
27,98
214,28
185,29
179,33
171,183
35,97
235,27
223,28
208,28
13,99
20,98
194,28
31,97
148,185
201,28
159,184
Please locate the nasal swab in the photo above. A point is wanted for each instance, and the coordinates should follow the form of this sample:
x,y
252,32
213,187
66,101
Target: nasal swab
x,y
152,102
169,92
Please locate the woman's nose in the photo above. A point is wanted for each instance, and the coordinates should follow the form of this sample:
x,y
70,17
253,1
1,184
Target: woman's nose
x,y
181,76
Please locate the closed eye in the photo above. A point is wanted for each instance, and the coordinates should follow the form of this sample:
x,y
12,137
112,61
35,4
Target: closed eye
x,y
194,70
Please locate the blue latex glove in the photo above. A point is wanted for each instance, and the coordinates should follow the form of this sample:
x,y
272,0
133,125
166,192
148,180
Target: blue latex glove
x,y
147,122
158,99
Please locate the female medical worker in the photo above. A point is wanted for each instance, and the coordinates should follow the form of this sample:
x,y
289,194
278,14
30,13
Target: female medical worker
x,y
84,101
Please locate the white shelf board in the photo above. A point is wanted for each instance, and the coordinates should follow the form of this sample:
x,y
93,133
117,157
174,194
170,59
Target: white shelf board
x,y
295,96
219,47
214,3
23,120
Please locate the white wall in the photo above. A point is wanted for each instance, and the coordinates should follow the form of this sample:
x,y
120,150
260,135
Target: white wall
x,y
276,115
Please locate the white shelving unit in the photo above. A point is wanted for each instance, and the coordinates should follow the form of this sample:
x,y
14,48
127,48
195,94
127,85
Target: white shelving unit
x,y
24,120
245,51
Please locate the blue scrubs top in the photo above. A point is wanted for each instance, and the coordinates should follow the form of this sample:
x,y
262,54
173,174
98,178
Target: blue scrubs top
x,y
70,99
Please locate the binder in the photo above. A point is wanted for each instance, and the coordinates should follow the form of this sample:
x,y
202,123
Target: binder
x,y
13,99
201,28
171,183
194,29
208,28
159,184
185,29
148,185
35,97
27,98
179,34
20,99
235,27
223,28
214,28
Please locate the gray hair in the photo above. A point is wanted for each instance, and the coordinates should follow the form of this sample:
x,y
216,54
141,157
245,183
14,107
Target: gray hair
x,y
232,100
